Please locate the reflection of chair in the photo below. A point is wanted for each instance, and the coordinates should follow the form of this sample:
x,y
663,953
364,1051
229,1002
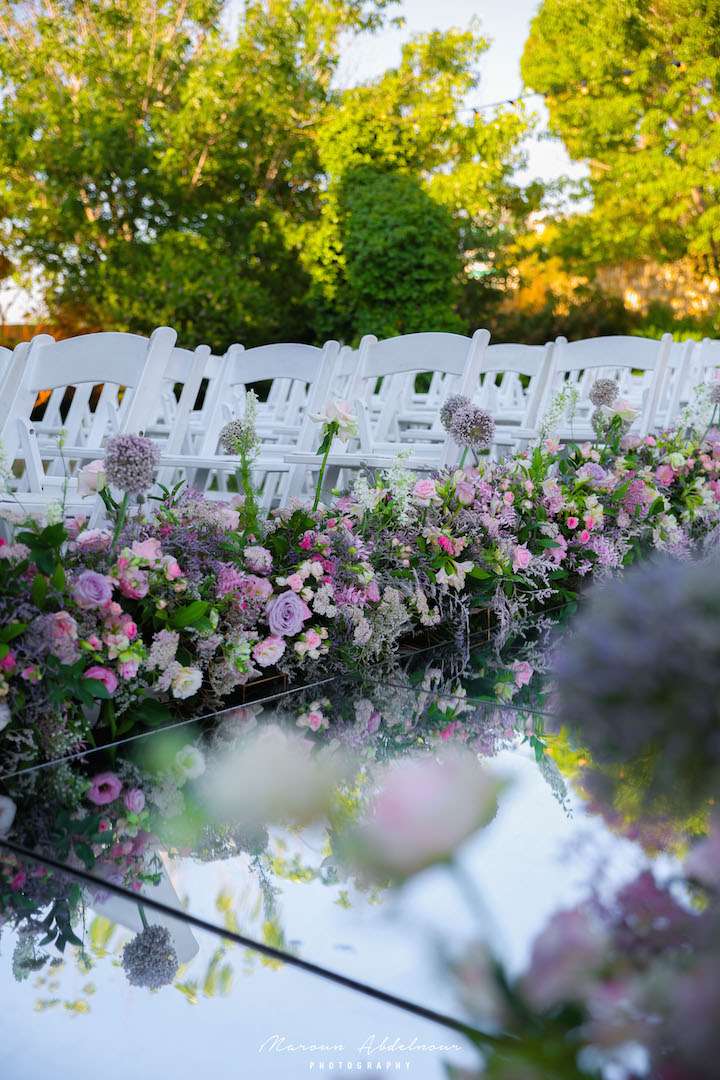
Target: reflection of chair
x,y
125,912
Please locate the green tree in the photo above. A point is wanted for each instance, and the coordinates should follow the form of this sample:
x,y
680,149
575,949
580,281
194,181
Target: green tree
x,y
402,258
151,168
157,168
411,122
633,89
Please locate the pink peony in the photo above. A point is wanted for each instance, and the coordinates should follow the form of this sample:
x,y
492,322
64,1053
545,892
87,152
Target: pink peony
x,y
268,651
104,675
104,788
93,540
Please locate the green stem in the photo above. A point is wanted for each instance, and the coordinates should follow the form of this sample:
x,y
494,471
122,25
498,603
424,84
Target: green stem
x,y
120,519
462,457
330,431
143,916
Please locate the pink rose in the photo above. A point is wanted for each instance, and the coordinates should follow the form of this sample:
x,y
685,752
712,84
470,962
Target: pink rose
x,y
133,583
425,490
104,675
522,672
93,540
172,568
268,651
521,558
92,590
104,788
134,801
91,478
150,550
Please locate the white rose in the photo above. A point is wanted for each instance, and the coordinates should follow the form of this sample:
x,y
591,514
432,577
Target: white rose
x,y
186,681
91,478
190,762
7,814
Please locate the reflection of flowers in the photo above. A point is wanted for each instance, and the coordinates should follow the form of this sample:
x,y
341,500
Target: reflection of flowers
x,y
149,959
104,788
8,810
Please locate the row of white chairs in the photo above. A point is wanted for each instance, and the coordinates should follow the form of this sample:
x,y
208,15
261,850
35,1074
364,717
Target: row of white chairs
x,y
88,388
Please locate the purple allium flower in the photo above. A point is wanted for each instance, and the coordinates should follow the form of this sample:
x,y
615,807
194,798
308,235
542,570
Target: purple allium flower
x,y
639,679
92,590
714,395
603,392
130,463
149,959
450,407
286,614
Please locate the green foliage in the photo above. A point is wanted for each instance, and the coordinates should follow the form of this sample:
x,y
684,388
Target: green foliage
x,y
633,89
402,257
159,170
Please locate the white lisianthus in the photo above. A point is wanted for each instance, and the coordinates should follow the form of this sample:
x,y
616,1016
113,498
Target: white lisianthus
x,y
339,412
91,478
8,810
456,578
186,681
621,408
190,762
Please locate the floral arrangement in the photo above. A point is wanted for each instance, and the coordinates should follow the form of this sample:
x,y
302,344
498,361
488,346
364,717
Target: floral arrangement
x,y
171,611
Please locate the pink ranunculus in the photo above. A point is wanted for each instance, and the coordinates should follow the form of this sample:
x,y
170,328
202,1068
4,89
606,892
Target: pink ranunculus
x,y
104,675
150,550
104,788
134,801
521,557
584,536
425,491
268,651
446,544
572,522
522,672
286,614
92,590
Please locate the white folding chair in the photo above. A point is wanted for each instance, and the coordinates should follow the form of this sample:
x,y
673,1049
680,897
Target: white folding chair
x,y
208,469
450,354
134,362
581,362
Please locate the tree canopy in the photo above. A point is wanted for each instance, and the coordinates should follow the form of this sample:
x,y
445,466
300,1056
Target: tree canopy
x,y
633,89
156,167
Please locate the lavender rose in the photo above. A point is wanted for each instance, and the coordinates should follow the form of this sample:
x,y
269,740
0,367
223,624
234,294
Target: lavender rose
x,y
92,590
286,614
